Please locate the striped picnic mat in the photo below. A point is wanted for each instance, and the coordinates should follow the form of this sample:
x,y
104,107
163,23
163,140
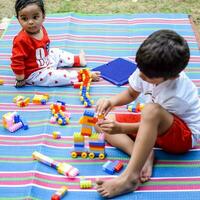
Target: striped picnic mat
x,y
104,38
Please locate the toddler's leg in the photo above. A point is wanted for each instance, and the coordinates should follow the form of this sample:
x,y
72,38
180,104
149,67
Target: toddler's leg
x,y
66,59
154,120
52,77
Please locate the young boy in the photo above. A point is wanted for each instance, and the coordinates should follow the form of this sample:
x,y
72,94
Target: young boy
x,y
170,118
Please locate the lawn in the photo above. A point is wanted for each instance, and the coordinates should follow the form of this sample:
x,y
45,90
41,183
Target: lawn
x,y
191,7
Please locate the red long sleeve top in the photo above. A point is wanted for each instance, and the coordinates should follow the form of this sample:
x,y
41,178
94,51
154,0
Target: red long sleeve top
x,y
29,54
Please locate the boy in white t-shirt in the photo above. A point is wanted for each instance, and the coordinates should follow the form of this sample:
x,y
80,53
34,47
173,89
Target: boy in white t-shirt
x,y
170,118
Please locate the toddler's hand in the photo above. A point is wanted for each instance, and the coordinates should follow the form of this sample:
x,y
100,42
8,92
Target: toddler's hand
x,y
96,75
20,83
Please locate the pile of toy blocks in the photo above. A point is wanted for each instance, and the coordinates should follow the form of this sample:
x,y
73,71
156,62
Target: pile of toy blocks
x,y
13,122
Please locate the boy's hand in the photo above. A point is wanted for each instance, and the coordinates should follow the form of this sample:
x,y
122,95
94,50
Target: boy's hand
x,y
103,106
20,83
110,126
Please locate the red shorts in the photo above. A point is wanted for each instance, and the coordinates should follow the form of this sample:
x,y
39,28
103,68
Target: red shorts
x,y
177,139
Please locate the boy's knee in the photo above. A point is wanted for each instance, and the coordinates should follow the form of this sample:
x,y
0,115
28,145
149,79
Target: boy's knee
x,y
152,110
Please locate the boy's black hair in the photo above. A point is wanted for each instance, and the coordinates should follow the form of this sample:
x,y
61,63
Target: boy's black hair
x,y
163,54
20,4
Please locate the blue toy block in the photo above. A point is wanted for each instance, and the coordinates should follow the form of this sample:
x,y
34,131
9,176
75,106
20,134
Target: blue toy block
x,y
43,101
79,145
109,167
97,144
17,118
117,71
61,102
88,113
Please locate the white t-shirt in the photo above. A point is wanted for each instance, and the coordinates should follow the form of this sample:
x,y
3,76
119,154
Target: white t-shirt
x,y
178,96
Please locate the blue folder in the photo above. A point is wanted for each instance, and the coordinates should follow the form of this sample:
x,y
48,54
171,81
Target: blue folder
x,y
117,71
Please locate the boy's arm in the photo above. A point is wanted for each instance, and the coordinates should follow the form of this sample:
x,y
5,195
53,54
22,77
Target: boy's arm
x,y
111,126
125,97
105,105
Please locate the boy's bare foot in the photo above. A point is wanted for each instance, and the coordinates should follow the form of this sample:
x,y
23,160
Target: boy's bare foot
x,y
117,186
146,171
82,58
95,75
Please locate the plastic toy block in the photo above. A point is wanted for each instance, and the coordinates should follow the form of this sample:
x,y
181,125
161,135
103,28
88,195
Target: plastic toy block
x,y
56,135
90,121
60,115
79,148
18,98
97,144
21,101
78,137
61,102
45,159
15,127
67,170
112,166
97,149
117,71
59,193
109,167
89,113
62,168
84,75
1,82
16,118
135,108
85,184
118,165
86,131
40,98
13,122
25,124
131,108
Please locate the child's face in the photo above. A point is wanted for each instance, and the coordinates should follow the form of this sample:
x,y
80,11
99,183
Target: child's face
x,y
31,18
155,81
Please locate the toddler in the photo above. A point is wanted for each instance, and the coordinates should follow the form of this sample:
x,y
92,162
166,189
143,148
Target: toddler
x,y
33,61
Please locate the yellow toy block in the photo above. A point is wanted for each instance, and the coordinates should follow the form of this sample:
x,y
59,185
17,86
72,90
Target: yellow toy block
x,y
18,98
85,184
39,97
78,137
1,82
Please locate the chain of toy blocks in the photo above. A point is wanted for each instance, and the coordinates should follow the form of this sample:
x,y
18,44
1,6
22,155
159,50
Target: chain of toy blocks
x,y
59,193
84,83
62,168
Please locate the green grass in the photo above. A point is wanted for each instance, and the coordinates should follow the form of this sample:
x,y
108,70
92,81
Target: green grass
x,y
191,7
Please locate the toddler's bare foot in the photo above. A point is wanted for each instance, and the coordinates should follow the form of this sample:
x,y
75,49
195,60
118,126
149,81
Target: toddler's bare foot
x,y
95,75
116,186
82,58
146,171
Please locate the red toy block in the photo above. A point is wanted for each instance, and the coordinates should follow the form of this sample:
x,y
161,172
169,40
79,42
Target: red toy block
x,y
118,166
